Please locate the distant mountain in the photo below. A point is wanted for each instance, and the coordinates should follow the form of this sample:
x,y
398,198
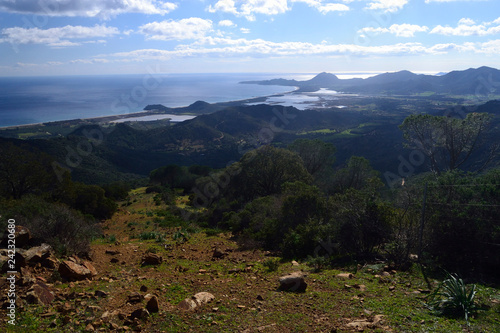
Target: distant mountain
x,y
483,80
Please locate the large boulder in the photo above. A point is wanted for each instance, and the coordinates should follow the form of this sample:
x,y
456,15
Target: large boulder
x,y
38,254
195,301
70,270
293,282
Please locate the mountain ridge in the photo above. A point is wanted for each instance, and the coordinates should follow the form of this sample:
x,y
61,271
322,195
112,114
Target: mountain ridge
x,y
470,81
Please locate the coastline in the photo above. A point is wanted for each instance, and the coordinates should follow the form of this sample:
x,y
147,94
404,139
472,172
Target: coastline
x,y
120,118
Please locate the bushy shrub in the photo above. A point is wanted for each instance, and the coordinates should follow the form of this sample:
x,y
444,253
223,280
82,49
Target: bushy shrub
x,y
65,229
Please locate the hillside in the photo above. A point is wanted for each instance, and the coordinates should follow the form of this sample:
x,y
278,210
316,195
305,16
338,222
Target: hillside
x,y
369,296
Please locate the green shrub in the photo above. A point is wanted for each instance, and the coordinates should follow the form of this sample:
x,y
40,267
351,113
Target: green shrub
x,y
148,235
452,297
272,265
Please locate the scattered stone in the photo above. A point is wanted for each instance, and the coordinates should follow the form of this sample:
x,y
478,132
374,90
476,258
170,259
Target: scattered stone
x,y
135,297
218,254
151,259
114,260
112,252
139,314
195,301
100,293
345,276
293,282
392,288
362,324
413,257
153,306
241,307
294,263
361,287
89,328
65,308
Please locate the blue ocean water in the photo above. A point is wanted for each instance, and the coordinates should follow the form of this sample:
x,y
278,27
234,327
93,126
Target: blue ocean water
x,y
29,100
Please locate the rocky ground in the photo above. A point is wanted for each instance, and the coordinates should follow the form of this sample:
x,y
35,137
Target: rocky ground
x,y
203,282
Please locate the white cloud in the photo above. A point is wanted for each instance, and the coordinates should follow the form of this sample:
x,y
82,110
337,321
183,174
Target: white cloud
x,y
56,37
227,47
400,30
429,1
249,8
190,28
324,8
467,27
99,8
226,6
245,30
390,6
227,23
466,21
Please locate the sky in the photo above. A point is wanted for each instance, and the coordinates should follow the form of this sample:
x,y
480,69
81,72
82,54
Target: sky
x,y
83,37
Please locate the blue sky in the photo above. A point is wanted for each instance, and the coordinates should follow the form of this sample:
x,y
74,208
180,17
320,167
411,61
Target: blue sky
x,y
79,37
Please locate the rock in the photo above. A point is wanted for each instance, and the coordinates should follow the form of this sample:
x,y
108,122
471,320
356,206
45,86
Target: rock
x,y
90,267
153,306
143,288
22,236
293,282
19,258
218,254
72,271
37,254
139,314
100,293
362,324
195,301
112,252
151,259
294,263
89,328
40,293
135,297
345,276
50,262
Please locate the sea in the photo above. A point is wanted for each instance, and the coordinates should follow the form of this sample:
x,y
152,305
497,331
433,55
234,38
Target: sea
x,y
32,100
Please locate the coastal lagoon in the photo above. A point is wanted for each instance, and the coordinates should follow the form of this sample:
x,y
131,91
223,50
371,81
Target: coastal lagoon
x,y
30,100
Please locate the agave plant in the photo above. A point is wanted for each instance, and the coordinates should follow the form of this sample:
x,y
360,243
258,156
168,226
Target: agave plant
x,y
452,297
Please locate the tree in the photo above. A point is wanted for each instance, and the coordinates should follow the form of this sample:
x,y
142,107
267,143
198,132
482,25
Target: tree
x,y
315,154
265,170
447,142
358,175
24,171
